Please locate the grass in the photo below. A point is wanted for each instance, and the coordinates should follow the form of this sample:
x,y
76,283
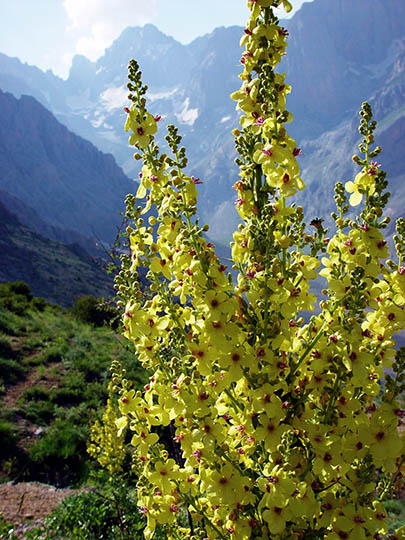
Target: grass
x,y
56,367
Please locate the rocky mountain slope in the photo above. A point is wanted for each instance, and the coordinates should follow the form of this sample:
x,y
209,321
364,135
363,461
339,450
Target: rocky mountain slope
x,y
64,178
30,218
55,271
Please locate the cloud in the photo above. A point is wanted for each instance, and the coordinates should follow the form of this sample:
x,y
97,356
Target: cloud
x,y
96,23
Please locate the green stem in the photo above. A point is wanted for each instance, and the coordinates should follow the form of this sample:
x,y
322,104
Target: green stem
x,y
332,400
190,501
394,476
307,350
229,460
234,402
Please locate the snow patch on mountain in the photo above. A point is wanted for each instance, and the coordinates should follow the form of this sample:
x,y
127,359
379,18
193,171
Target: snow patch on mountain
x,y
114,98
98,119
187,116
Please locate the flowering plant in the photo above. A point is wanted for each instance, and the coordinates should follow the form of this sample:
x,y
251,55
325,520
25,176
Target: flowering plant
x,y
260,421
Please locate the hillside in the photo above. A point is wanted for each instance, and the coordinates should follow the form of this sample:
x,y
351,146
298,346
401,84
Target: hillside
x,y
53,384
30,218
64,178
55,271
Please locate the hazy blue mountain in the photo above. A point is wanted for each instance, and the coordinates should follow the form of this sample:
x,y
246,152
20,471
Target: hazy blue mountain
x,y
340,53
64,178
30,218
53,270
326,159
19,78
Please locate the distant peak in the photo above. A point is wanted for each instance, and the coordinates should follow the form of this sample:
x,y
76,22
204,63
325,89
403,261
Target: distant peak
x,y
80,60
147,32
81,67
151,27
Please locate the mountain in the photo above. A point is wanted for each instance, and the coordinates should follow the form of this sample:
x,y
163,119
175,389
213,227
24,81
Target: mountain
x,y
64,178
53,270
19,78
30,218
326,159
340,54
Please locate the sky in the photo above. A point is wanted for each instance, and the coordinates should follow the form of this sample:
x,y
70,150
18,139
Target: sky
x,y
48,33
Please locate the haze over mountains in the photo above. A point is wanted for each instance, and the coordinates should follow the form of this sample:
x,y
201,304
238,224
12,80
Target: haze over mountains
x,y
340,53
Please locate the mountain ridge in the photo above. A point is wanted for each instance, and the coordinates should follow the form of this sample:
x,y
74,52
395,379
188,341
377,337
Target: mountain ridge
x,y
63,177
58,272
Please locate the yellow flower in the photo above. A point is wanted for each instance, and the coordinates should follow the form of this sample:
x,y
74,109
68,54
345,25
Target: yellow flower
x,y
143,440
129,402
270,432
164,475
383,441
222,486
142,128
276,516
363,183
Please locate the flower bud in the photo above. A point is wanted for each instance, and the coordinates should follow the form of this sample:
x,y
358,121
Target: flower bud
x,y
284,242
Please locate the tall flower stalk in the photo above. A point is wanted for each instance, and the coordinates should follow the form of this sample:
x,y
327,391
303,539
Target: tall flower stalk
x,y
259,420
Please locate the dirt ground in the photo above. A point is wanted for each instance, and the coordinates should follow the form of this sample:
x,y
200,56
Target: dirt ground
x,y
27,504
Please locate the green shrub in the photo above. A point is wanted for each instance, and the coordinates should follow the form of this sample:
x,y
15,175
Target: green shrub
x,y
36,393
62,440
10,370
51,355
17,304
39,304
92,310
396,512
59,457
7,322
74,357
54,354
8,440
15,297
20,288
39,412
7,530
108,511
6,350
32,344
66,396
82,342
